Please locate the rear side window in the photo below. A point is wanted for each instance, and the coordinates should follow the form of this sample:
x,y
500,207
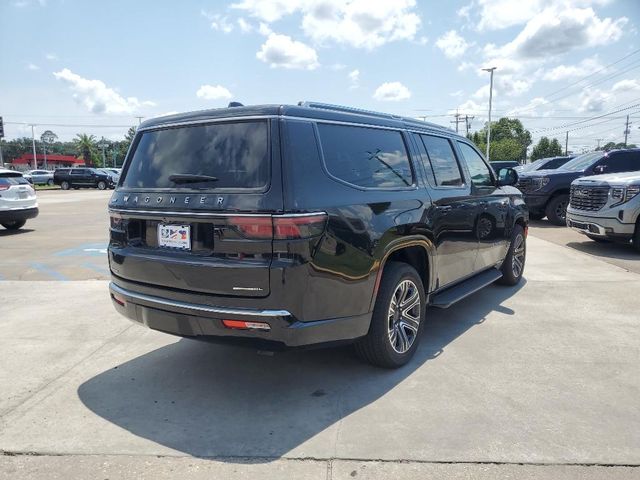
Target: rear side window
x,y
443,161
622,162
236,154
366,157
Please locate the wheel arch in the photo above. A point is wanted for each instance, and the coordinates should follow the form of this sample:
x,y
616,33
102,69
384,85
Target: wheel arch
x,y
415,250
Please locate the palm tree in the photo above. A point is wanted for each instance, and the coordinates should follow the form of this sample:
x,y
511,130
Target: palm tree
x,y
86,147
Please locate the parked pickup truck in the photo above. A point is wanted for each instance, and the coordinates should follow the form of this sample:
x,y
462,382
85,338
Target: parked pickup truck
x,y
606,207
546,192
82,178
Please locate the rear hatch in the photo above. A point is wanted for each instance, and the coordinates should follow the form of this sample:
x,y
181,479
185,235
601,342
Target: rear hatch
x,y
193,209
16,193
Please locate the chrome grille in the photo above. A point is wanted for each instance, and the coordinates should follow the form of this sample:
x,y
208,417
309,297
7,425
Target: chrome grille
x,y
588,198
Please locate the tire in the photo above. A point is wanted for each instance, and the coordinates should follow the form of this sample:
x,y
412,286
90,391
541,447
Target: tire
x,y
513,264
14,225
536,216
393,337
50,182
636,237
598,239
556,210
65,185
102,185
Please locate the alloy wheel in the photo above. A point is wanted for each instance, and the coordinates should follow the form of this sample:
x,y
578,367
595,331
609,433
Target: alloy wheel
x,y
404,316
518,256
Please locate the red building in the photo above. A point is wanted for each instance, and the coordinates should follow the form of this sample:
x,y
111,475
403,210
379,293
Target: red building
x,y
53,161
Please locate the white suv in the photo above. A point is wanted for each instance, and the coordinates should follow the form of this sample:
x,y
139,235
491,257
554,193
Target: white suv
x,y
18,201
606,207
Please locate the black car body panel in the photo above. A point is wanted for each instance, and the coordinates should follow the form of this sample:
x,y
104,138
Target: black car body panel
x,y
314,280
82,177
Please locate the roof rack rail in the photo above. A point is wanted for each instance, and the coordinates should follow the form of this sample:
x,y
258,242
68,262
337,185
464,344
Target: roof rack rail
x,y
341,108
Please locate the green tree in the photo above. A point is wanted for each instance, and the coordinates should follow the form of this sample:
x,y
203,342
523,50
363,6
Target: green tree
x,y
546,148
86,147
509,140
613,146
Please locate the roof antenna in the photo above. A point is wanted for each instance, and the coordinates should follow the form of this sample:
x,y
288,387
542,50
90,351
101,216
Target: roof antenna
x,y
235,104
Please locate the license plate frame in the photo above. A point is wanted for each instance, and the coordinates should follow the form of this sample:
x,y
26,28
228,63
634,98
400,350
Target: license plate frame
x,y
174,236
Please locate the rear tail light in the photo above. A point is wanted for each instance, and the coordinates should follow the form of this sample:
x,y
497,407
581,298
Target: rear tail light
x,y
4,187
241,325
280,227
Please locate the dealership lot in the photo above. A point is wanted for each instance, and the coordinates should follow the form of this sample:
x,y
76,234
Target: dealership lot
x,y
535,381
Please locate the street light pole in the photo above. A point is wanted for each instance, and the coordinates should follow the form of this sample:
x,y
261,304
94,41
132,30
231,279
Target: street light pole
x,y
33,143
490,70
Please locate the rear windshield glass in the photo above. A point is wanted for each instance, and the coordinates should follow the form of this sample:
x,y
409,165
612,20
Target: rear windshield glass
x,y
10,178
582,162
234,154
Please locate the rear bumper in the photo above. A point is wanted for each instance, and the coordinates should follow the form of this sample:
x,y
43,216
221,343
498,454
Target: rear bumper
x,y
605,227
18,214
205,321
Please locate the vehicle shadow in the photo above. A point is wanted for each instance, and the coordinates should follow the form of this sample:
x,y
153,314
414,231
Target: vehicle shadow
x,y
6,233
230,403
620,251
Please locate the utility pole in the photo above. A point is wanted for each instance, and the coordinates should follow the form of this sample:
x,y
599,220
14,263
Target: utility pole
x,y
33,142
457,120
599,140
1,137
490,70
139,120
467,122
566,144
626,132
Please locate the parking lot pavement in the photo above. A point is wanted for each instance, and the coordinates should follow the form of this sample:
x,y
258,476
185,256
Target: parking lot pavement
x,y
66,241
536,381
621,255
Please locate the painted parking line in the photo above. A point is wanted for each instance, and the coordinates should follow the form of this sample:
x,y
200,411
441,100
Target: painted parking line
x,y
86,249
96,268
48,271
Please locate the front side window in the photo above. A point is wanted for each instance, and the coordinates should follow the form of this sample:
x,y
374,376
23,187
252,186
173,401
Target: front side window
x,y
444,165
479,171
217,155
621,162
366,157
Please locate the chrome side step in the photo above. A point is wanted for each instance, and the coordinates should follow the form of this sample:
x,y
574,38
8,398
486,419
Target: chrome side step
x,y
454,294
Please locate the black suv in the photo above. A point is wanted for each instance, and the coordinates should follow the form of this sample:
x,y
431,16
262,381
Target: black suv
x,y
289,226
82,177
546,192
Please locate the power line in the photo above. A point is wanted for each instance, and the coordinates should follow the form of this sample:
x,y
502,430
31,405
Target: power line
x,y
69,125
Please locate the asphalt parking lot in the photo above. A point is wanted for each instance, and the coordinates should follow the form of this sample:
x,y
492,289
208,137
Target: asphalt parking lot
x,y
536,381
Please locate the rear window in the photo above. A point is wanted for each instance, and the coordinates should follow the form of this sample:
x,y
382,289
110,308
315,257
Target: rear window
x,y
236,154
12,179
366,157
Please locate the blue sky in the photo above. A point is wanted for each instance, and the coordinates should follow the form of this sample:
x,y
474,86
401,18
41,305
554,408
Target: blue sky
x,y
77,66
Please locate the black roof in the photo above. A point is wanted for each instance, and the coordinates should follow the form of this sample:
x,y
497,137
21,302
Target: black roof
x,y
303,110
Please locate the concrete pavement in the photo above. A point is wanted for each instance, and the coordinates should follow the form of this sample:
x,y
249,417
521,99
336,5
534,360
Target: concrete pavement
x,y
545,375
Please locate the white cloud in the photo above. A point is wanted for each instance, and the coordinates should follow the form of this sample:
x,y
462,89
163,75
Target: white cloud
x,y
359,23
563,72
554,31
245,27
219,22
452,44
32,67
97,97
282,51
592,101
501,14
51,56
354,79
392,92
456,94
626,85
213,92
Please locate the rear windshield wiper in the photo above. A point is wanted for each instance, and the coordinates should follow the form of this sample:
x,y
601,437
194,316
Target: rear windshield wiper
x,y
191,178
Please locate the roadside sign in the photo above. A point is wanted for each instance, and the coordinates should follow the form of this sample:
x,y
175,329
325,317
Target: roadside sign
x,y
1,128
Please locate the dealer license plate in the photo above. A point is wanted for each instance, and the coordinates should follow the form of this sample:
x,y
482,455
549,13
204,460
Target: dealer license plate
x,y
174,236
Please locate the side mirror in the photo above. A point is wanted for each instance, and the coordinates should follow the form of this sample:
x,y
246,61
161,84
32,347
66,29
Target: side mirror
x,y
598,169
507,176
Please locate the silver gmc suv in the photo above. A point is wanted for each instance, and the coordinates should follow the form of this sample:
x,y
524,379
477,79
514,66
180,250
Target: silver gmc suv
x,y
606,207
